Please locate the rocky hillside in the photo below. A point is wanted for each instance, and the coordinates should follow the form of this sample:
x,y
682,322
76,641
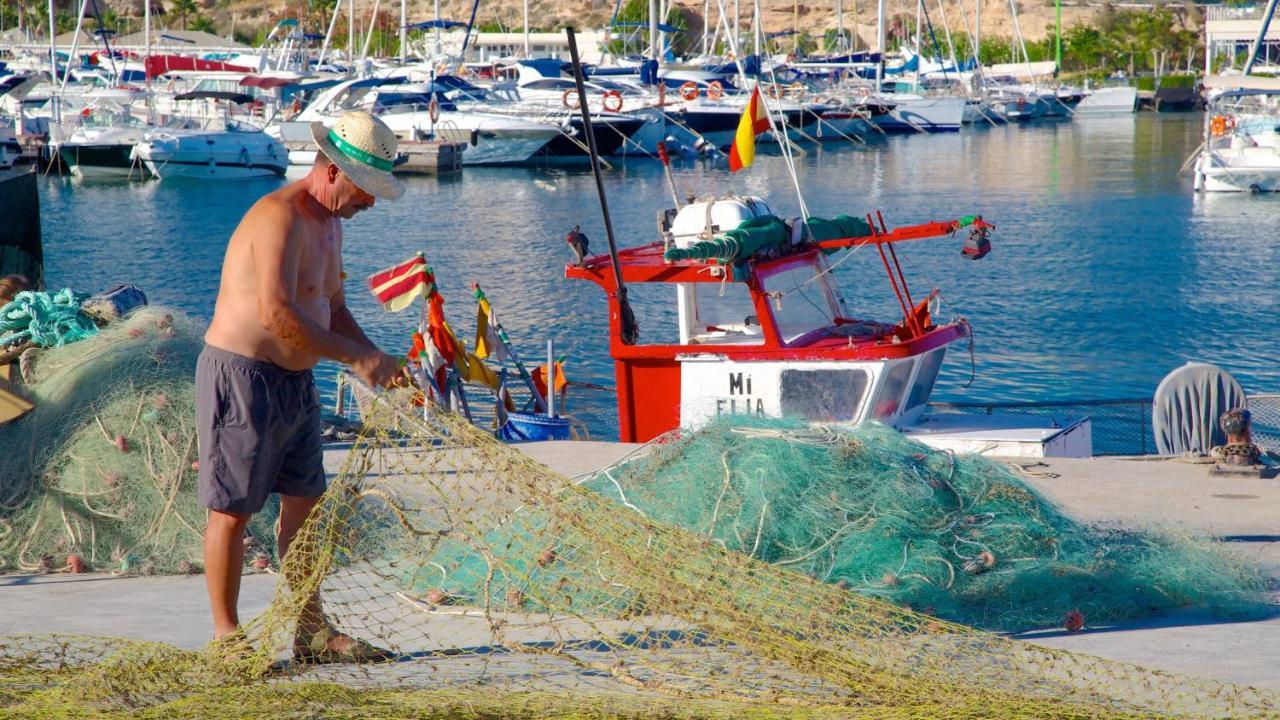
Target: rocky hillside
x,y
248,16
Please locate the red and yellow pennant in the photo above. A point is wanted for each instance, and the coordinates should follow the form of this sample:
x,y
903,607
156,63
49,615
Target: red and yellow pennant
x,y
754,120
397,287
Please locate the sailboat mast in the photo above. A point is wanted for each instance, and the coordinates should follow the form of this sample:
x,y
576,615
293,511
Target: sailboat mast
x,y
527,52
839,26
737,22
880,43
1267,15
654,50
404,32
437,27
1057,38
706,15
53,44
351,34
146,29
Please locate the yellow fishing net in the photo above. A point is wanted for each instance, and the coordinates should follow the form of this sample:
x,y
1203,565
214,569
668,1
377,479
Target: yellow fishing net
x,y
507,590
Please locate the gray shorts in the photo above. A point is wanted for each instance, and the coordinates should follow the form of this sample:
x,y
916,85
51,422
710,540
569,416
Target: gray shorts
x,y
259,431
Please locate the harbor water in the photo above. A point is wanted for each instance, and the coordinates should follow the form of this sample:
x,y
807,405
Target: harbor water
x,y
1106,270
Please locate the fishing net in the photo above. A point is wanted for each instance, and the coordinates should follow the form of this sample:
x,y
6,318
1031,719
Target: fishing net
x,y
959,537
101,475
583,605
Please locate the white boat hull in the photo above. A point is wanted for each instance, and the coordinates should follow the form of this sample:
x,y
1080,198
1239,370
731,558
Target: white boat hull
x,y
1214,173
212,155
1109,101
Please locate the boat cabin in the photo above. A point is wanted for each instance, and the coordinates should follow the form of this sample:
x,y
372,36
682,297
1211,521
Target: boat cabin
x,y
763,329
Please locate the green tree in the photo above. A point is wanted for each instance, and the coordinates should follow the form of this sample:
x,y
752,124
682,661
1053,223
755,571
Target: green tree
x,y
184,9
204,23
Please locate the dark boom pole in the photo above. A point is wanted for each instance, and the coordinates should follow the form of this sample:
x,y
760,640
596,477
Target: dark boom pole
x,y
630,329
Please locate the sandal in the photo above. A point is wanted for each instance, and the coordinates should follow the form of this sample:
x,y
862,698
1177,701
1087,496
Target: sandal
x,y
316,650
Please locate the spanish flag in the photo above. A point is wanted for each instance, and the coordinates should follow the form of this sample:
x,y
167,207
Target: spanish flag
x,y
754,120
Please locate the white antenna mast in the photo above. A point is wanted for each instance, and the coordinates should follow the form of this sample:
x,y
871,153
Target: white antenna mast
x,y
781,134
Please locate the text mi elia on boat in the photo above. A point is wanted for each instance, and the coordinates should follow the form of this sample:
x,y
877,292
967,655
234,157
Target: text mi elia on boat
x,y
763,330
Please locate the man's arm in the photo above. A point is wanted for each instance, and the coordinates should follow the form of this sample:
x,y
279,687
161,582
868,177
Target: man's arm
x,y
344,323
276,257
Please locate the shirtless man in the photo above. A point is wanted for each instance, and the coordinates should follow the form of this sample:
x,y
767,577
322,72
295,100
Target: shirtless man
x,y
280,309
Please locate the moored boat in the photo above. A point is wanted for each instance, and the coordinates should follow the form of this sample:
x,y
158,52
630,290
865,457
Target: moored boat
x,y
762,328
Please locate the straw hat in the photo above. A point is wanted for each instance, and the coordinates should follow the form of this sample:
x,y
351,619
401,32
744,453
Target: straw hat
x,y
364,149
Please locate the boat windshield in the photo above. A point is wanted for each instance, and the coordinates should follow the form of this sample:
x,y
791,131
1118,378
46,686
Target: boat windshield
x,y
801,300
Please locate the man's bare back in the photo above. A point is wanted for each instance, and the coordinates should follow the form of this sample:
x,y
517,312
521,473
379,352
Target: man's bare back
x,y
311,273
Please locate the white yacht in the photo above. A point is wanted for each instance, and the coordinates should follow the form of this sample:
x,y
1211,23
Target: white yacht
x,y
417,111
1241,151
220,148
105,132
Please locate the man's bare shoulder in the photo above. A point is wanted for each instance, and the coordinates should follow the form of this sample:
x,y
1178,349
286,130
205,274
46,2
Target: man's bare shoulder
x,y
275,213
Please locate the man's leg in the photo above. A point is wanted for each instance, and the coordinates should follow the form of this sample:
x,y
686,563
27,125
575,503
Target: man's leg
x,y
293,513
223,564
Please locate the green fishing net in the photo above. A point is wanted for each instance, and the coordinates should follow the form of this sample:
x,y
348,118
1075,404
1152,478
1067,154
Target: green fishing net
x,y
865,508
104,467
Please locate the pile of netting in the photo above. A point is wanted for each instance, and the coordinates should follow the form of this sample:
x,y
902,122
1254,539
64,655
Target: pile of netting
x,y
101,475
959,537
593,610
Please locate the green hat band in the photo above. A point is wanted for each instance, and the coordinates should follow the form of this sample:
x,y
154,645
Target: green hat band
x,y
359,155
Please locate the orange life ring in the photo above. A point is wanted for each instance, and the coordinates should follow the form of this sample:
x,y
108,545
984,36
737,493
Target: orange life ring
x,y
433,110
612,101
295,107
689,90
796,90
774,91
564,99
715,90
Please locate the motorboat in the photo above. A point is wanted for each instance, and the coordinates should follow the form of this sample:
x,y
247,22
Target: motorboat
x,y
1241,150
101,145
763,329
1121,100
216,148
448,109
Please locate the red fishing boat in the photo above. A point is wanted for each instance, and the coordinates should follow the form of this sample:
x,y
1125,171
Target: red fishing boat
x,y
763,329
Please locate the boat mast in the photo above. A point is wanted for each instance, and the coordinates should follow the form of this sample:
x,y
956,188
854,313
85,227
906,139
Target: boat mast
x,y
368,36
351,35
404,32
706,14
333,24
737,22
1262,34
880,43
53,44
919,43
146,29
527,52
839,26
437,8
1057,37
977,41
654,51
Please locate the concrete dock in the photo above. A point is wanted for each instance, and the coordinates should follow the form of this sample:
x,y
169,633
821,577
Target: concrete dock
x,y
1133,493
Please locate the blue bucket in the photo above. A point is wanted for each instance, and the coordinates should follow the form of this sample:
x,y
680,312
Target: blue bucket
x,y
525,427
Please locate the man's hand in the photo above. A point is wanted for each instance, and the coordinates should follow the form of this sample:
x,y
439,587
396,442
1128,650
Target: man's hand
x,y
378,369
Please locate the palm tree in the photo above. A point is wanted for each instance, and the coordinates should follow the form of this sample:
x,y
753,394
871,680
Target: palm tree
x,y
184,9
